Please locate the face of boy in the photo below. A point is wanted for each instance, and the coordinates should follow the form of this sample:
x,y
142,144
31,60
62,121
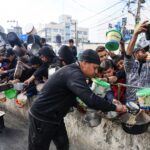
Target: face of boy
x,y
141,54
103,55
109,72
120,65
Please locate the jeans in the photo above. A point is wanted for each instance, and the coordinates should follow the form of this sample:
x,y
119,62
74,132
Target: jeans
x,y
42,133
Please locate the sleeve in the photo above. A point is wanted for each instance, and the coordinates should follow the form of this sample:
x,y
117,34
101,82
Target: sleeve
x,y
109,96
77,84
128,63
75,51
120,74
42,71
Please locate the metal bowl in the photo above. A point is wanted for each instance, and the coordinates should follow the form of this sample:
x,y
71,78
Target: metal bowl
x,y
92,119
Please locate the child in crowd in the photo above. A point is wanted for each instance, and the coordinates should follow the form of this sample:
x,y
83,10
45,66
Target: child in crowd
x,y
108,70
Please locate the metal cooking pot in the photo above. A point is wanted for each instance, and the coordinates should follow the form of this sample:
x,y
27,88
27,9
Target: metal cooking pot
x,y
92,119
141,124
111,115
19,86
132,108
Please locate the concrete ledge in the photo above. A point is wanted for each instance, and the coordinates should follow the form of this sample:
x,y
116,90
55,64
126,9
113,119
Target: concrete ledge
x,y
108,135
11,106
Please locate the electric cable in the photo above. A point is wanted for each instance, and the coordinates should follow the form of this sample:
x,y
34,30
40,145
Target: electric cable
x,y
82,6
100,12
103,19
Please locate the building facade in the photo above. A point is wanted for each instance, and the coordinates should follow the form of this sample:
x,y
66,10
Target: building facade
x,y
16,29
67,28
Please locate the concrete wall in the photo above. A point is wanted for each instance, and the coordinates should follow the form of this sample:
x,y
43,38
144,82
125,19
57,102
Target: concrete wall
x,y
108,135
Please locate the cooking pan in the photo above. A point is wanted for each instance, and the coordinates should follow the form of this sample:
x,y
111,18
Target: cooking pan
x,y
142,121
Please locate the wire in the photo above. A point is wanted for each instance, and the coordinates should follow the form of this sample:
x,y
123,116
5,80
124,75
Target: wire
x,y
109,16
100,12
84,7
109,20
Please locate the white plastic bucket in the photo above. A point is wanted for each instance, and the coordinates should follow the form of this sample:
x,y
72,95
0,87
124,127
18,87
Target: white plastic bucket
x,y
113,40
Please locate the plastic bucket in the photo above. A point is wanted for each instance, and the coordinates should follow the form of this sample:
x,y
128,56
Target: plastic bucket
x,y
99,87
10,94
113,39
144,98
21,100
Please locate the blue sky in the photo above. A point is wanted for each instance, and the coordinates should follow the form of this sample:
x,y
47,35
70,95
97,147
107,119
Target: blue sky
x,y
44,11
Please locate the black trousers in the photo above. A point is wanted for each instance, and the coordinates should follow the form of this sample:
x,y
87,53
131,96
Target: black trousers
x,y
2,122
41,134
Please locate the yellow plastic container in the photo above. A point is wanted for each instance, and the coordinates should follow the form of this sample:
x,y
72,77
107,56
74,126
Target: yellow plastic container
x,y
113,40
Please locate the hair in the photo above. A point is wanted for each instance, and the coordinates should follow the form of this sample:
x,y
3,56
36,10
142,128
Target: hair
x,y
147,48
48,53
71,41
116,59
43,40
106,64
100,48
35,60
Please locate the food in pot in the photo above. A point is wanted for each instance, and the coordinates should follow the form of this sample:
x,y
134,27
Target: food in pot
x,y
131,119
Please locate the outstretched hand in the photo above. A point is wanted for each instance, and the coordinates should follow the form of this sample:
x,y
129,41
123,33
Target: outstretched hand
x,y
141,28
121,108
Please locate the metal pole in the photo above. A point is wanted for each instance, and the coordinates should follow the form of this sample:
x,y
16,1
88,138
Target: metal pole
x,y
126,85
137,16
76,39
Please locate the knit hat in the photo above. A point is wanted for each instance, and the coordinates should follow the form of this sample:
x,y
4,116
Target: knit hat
x,y
90,56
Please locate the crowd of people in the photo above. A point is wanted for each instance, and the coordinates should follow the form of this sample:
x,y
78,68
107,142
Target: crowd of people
x,y
69,81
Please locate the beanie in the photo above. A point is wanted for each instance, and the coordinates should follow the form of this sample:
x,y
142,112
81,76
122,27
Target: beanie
x,y
90,56
66,54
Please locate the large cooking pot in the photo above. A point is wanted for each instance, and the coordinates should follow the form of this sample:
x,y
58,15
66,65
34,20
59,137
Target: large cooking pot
x,y
19,51
18,70
141,124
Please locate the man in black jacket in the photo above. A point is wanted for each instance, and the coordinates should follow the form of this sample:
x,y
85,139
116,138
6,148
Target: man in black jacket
x,y
57,96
